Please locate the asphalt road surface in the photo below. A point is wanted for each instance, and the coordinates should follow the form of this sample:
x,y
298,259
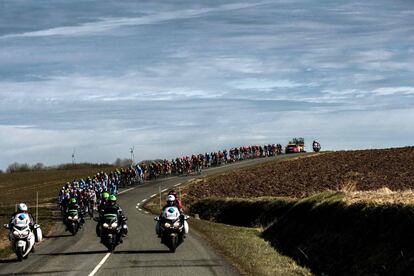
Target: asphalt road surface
x,y
140,254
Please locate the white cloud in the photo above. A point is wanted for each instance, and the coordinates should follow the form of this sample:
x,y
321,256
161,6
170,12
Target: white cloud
x,y
386,91
107,24
263,84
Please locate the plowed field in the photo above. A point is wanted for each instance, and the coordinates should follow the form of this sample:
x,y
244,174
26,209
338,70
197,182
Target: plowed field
x,y
361,170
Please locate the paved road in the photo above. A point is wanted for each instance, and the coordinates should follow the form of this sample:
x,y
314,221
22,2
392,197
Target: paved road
x,y
141,253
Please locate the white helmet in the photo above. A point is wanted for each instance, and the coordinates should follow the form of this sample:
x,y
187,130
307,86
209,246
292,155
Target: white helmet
x,y
171,198
21,207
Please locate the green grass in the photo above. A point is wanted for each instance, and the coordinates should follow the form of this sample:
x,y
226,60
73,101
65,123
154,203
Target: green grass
x,y
248,252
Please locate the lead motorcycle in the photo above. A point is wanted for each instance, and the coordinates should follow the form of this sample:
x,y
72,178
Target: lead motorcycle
x,y
21,236
110,230
316,146
172,227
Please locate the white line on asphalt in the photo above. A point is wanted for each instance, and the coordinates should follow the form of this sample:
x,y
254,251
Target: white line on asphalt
x,y
144,200
139,209
153,195
146,212
100,264
178,184
126,190
137,206
163,190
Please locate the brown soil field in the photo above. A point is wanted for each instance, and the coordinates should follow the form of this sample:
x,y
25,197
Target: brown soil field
x,y
361,170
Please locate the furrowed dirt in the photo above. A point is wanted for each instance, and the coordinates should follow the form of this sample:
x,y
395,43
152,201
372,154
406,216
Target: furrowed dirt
x,y
362,170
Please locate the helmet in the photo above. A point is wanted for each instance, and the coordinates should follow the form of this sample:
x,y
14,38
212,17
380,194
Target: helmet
x,y
22,207
72,200
105,195
170,199
112,200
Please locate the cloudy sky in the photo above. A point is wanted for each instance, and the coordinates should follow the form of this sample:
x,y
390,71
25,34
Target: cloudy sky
x,y
180,77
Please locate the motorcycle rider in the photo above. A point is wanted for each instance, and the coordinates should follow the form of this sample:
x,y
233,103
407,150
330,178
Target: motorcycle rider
x,y
172,201
103,202
113,208
22,208
177,201
73,205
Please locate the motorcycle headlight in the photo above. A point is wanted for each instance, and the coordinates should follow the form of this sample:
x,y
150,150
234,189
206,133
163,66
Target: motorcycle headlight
x,y
16,233
114,225
69,217
105,225
177,224
75,217
167,225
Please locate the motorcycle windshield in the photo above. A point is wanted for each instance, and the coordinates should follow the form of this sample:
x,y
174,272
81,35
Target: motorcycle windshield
x,y
73,213
110,218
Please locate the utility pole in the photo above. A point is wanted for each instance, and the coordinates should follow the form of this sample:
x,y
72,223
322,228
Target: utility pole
x,y
73,157
131,150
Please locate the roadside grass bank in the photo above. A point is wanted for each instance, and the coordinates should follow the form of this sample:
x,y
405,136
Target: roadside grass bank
x,y
23,186
244,247
332,233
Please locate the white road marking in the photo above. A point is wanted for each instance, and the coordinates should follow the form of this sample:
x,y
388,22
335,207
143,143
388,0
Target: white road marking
x,y
143,200
136,207
146,212
126,190
178,184
153,195
139,209
100,264
163,190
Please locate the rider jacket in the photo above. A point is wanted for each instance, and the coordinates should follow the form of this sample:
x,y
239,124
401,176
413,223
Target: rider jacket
x,y
115,209
32,222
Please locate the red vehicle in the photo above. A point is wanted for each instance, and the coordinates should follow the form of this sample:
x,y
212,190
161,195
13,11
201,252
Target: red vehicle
x,y
292,148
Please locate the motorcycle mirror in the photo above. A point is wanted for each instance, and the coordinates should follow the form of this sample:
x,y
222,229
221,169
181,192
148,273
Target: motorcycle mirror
x,y
6,226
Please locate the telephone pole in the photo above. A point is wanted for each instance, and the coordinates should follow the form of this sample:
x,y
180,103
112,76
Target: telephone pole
x,y
73,157
131,150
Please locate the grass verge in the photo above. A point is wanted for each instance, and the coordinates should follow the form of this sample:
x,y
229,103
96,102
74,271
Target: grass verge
x,y
246,250
242,246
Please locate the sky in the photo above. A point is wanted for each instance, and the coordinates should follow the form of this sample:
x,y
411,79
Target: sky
x,y
180,77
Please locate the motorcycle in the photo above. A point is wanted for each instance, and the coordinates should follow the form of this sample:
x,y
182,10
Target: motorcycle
x,y
316,146
73,221
21,236
172,227
110,231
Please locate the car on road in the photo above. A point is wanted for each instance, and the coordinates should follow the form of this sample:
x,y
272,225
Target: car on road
x,y
292,148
